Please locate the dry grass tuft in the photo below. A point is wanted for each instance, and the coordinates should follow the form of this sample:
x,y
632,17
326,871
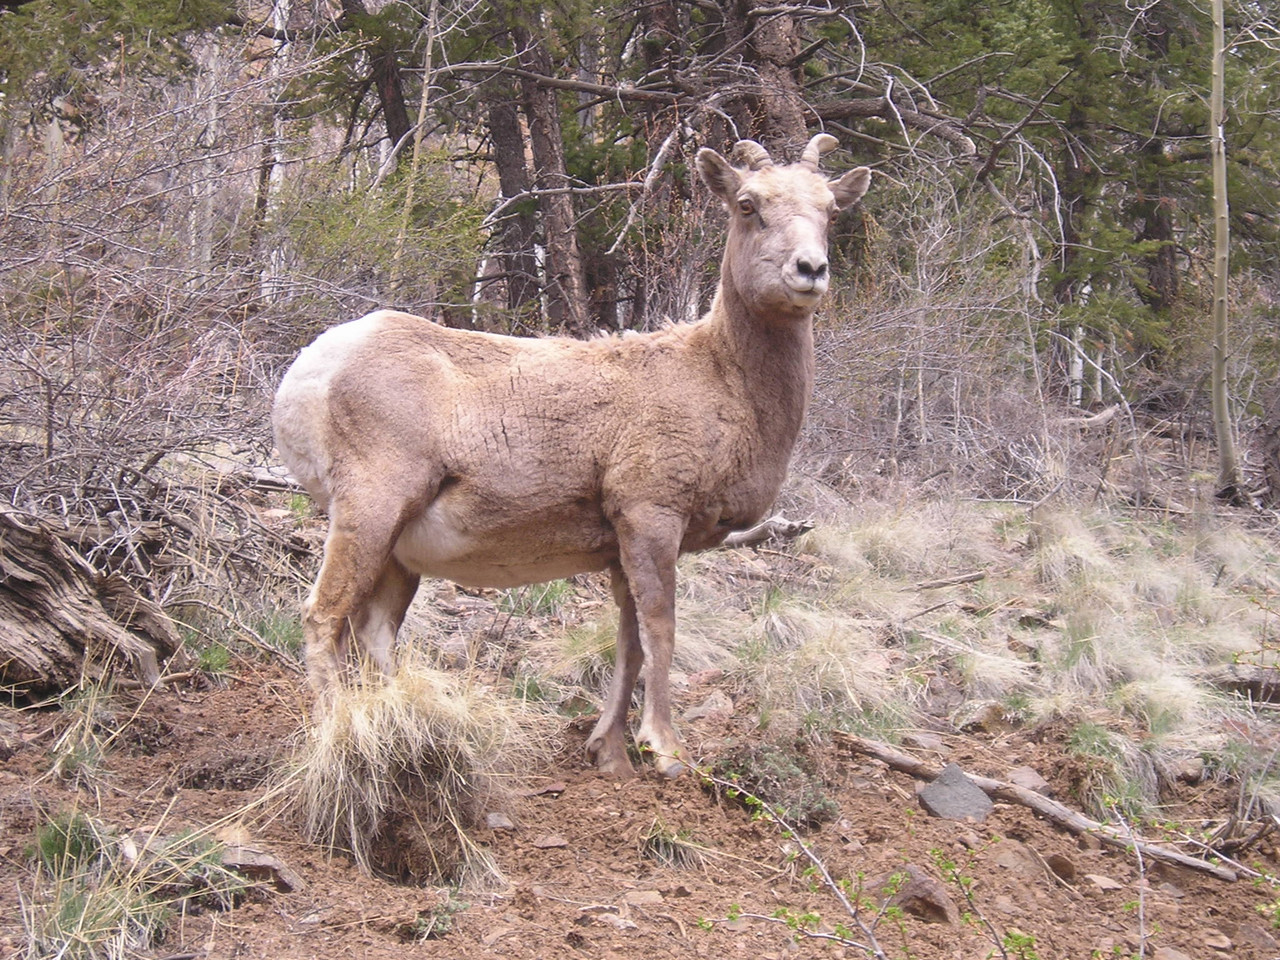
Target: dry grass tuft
x,y
398,774
810,659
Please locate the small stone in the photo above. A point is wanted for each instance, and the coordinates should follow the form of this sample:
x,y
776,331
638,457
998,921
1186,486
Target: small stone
x,y
261,865
1217,940
1018,859
1029,779
1087,841
1191,770
717,706
1004,904
549,841
1104,883
642,897
1063,867
496,820
1169,953
1252,935
953,796
922,896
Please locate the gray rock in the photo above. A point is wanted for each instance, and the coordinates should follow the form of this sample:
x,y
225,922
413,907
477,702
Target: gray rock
x,y
1191,770
953,796
495,820
1217,940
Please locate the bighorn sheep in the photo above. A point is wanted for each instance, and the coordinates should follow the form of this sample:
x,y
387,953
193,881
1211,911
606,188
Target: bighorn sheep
x,y
495,461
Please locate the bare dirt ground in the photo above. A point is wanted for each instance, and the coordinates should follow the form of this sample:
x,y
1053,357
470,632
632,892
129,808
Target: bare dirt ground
x,y
580,881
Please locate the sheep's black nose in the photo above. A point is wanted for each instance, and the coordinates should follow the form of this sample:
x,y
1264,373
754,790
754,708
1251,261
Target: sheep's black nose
x,y
814,270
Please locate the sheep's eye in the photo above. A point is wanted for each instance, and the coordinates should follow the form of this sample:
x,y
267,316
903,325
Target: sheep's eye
x,y
746,207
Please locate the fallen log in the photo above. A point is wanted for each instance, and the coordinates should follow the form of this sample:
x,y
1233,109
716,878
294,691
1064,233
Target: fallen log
x,y
62,620
1046,807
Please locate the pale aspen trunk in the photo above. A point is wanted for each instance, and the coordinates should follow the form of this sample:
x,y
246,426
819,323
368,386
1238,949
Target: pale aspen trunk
x,y
272,180
1228,465
1075,369
205,187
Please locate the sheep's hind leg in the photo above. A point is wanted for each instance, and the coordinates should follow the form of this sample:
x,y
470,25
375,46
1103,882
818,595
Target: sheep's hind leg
x,y
607,745
383,613
355,553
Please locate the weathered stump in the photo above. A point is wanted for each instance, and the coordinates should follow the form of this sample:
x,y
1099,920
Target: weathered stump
x,y
61,620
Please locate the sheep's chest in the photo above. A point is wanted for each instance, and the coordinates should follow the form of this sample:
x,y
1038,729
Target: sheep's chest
x,y
741,503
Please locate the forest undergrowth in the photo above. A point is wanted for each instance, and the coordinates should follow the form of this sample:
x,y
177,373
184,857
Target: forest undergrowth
x,y
1139,640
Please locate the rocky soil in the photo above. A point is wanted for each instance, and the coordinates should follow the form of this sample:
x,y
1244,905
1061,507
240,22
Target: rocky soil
x,y
585,877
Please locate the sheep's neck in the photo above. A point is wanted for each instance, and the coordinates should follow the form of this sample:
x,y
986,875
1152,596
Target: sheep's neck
x,y
775,357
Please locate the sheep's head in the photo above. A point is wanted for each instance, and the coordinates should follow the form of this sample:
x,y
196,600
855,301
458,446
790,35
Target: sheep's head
x,y
779,218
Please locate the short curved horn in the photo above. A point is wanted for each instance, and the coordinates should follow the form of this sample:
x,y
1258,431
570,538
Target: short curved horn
x,y
752,154
822,143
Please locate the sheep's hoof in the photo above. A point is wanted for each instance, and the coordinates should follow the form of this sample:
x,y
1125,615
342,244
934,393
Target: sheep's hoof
x,y
668,764
670,767
610,759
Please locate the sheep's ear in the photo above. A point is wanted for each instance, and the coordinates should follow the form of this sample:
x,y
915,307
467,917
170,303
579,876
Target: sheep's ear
x,y
718,174
850,188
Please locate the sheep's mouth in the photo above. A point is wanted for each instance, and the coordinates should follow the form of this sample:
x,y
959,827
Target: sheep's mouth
x,y
806,292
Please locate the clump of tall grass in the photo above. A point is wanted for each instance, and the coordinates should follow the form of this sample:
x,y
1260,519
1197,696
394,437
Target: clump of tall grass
x,y
807,659
399,773
96,894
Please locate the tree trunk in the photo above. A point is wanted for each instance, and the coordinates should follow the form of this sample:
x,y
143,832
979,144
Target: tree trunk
x,y
385,70
1229,480
270,179
1078,185
566,285
774,46
517,236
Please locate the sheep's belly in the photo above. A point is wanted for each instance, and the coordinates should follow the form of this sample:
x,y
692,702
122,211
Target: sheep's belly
x,y
434,546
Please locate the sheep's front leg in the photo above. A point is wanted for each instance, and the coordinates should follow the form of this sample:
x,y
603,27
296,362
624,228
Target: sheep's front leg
x,y
649,543
607,745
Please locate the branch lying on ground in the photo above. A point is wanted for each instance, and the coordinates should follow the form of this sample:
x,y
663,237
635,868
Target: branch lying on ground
x,y
1052,810
775,528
